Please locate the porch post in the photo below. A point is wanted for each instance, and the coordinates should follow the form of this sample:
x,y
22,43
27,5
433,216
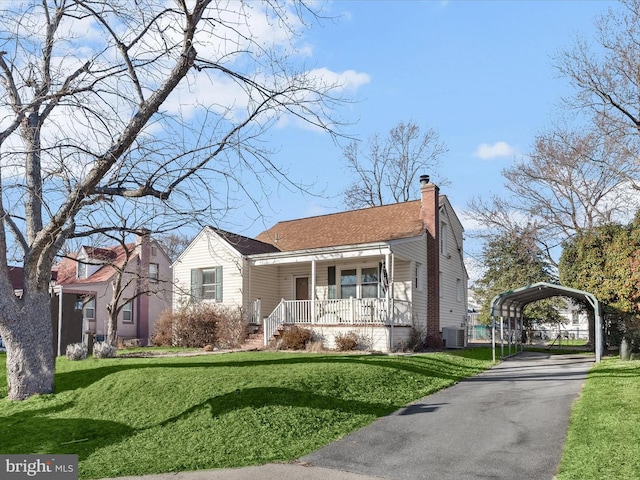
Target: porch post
x,y
387,293
313,291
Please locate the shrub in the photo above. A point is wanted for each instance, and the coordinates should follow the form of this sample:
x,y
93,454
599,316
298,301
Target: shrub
x,y
346,341
417,342
232,327
76,351
195,326
293,337
103,350
163,330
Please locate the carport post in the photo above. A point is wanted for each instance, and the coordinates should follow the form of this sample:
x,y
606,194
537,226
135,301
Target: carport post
x,y
521,333
493,337
501,337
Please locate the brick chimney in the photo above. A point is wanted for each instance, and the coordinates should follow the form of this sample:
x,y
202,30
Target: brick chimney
x,y
430,216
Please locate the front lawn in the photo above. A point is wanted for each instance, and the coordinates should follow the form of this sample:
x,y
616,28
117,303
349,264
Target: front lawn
x,y
603,441
132,416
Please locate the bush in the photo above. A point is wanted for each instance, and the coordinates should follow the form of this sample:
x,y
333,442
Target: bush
x,y
293,337
232,327
417,342
76,351
346,341
163,330
103,350
202,324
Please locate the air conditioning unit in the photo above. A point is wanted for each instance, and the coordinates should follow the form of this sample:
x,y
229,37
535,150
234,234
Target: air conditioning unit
x,y
453,337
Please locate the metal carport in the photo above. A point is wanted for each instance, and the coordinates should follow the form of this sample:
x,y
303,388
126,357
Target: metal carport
x,y
511,305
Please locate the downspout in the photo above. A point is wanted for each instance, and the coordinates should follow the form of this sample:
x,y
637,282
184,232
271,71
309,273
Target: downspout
x,y
390,316
313,291
59,320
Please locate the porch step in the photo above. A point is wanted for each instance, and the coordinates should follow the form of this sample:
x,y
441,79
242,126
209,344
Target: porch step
x,y
255,339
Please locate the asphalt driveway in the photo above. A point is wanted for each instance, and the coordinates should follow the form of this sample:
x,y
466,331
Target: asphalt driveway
x,y
509,422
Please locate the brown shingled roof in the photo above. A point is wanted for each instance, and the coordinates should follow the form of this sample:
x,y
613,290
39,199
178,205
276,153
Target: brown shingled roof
x,y
367,225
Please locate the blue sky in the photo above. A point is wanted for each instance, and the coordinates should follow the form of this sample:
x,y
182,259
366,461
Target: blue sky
x,y
478,72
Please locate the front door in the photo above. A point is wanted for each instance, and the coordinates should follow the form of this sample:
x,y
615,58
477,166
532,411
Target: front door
x,y
302,288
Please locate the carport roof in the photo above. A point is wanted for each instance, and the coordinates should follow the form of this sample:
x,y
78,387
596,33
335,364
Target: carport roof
x,y
511,303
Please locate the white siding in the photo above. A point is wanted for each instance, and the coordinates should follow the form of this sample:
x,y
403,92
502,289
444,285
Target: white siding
x,y
453,306
209,250
374,338
407,255
264,285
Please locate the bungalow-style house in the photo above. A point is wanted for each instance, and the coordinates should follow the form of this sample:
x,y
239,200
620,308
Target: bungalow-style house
x,y
146,286
383,272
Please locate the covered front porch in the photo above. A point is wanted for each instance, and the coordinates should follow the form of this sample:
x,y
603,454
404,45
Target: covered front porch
x,y
347,288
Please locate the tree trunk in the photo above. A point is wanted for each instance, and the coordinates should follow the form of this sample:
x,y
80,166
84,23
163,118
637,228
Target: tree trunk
x,y
625,349
112,330
30,356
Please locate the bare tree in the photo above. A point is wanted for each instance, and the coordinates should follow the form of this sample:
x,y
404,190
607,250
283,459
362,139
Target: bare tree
x,y
570,183
605,72
387,172
173,244
154,106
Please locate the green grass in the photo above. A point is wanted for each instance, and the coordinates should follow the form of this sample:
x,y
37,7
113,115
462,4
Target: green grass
x,y
603,441
132,416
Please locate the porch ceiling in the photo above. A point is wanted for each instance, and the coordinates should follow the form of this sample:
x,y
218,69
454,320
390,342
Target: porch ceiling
x,y
319,255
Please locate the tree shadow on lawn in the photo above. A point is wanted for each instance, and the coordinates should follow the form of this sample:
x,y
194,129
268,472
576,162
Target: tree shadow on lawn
x,y
260,397
424,365
34,432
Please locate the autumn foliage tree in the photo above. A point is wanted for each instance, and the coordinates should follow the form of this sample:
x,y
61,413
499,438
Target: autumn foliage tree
x,y
606,262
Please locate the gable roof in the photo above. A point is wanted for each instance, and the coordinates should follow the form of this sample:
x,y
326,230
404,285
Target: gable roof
x,y
245,245
367,225
115,257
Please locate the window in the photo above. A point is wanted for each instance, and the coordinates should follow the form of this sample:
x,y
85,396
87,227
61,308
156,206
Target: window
x,y
575,319
90,309
153,272
349,283
369,282
127,312
418,276
360,283
444,238
81,270
206,283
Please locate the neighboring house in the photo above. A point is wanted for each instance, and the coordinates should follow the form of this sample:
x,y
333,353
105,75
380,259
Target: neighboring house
x,y
574,325
146,284
66,319
381,272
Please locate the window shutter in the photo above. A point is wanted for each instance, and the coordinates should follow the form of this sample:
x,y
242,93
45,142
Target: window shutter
x,y
331,282
218,284
194,284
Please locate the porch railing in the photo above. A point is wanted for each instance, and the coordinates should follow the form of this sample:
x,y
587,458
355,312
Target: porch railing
x,y
354,311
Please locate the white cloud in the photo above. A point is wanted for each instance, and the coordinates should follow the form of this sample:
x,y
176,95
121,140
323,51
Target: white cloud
x,y
497,150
